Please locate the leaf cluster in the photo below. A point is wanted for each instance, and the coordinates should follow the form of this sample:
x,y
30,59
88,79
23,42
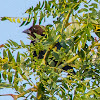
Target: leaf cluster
x,y
72,27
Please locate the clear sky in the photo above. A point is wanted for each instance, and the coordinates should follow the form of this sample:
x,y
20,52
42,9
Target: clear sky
x,y
14,8
8,30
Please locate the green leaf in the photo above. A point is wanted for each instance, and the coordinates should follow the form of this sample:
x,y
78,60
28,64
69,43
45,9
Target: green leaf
x,y
79,47
98,89
54,85
14,43
24,77
84,40
86,6
22,23
49,81
82,10
10,42
98,33
94,21
10,77
0,77
56,55
96,0
41,17
65,86
94,5
4,53
35,18
29,19
27,23
45,4
42,5
3,18
7,45
4,74
15,86
5,66
22,43
18,57
10,56
5,85
81,54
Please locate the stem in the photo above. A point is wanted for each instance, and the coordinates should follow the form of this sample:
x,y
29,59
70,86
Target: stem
x,y
69,61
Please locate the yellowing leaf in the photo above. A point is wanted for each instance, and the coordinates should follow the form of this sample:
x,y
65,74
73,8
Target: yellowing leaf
x,y
10,19
18,20
29,19
14,20
24,19
79,47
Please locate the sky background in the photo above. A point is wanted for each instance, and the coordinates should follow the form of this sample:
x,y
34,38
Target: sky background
x,y
8,30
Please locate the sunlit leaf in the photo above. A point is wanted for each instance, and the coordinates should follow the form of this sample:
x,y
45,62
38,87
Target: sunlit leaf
x,y
79,47
82,10
5,85
18,20
14,20
10,19
22,43
14,43
24,19
10,55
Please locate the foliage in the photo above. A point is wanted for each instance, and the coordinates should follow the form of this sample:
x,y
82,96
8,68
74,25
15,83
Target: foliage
x,y
33,78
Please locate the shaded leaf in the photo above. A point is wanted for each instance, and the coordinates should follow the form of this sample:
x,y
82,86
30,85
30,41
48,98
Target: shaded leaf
x,y
22,23
4,53
10,77
5,85
3,18
4,74
94,5
18,57
81,54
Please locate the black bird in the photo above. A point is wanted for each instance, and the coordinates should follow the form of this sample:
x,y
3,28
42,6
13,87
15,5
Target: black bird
x,y
39,30
35,29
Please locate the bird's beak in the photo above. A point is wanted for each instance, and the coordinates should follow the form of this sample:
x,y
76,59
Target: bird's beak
x,y
27,31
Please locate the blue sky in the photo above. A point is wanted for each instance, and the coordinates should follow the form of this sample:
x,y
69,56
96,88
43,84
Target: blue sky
x,y
8,30
14,8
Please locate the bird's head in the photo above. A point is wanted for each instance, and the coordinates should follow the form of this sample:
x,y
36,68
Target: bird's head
x,y
35,29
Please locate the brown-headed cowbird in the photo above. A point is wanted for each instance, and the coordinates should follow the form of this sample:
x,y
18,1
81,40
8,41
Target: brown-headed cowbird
x,y
39,30
35,29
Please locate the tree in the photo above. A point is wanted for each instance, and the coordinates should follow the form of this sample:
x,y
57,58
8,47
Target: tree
x,y
72,27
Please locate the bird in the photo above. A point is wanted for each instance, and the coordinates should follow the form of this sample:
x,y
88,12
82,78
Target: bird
x,y
40,31
35,29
